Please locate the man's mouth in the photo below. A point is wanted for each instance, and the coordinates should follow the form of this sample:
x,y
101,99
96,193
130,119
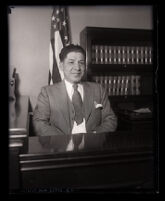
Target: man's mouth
x,y
76,74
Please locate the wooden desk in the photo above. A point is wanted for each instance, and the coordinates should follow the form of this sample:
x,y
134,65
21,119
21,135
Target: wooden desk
x,y
18,136
121,160
129,120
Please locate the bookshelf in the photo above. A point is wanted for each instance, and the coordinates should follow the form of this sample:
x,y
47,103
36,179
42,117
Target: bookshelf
x,y
122,61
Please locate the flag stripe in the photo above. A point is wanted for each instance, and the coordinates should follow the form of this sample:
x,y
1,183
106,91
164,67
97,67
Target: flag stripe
x,y
58,46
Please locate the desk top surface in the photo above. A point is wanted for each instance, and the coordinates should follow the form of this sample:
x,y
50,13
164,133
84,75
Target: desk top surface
x,y
116,142
18,115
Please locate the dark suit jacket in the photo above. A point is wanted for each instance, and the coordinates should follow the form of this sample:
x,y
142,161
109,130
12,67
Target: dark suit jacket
x,y
54,112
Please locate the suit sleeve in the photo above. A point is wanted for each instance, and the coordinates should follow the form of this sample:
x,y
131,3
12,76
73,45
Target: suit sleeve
x,y
41,116
109,119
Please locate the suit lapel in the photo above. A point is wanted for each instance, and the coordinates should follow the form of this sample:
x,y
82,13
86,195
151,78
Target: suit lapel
x,y
64,102
88,101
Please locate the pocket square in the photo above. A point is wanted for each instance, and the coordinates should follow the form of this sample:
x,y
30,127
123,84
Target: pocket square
x,y
98,105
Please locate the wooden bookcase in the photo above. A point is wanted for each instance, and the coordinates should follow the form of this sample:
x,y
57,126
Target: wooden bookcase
x,y
122,61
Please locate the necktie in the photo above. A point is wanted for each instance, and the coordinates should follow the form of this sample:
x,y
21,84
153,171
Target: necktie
x,y
77,103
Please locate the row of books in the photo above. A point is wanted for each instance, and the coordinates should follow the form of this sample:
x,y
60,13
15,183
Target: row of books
x,y
104,54
120,85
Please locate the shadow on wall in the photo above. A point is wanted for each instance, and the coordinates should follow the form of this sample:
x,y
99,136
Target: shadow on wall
x,y
14,83
31,126
17,85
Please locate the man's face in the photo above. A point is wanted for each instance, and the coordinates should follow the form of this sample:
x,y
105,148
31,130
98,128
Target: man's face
x,y
73,67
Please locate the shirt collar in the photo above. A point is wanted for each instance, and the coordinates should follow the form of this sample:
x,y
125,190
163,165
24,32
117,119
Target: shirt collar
x,y
69,88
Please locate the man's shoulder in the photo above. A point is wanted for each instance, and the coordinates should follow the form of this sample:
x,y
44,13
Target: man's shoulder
x,y
92,84
53,86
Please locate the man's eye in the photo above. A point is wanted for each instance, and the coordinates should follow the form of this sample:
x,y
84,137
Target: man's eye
x,y
71,62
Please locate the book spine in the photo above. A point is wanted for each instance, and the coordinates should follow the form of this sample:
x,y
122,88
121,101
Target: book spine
x,y
128,55
119,57
132,57
146,59
96,54
106,54
101,55
126,89
123,55
110,54
142,55
137,55
133,85
114,54
93,54
118,85
114,85
137,85
122,85
150,55
109,85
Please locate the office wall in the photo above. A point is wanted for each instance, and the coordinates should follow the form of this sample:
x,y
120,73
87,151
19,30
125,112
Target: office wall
x,y
138,17
29,34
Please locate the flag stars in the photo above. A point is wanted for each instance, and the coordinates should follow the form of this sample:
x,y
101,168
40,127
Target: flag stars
x,y
53,18
64,23
57,11
66,37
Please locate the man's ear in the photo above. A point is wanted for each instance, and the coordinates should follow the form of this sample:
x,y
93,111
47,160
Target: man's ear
x,y
61,65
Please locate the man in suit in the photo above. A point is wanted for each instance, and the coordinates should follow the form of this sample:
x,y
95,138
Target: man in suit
x,y
73,106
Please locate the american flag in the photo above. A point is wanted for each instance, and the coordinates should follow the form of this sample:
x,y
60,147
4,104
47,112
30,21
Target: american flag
x,y
59,37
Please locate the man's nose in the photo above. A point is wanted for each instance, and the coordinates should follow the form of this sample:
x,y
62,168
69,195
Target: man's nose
x,y
77,66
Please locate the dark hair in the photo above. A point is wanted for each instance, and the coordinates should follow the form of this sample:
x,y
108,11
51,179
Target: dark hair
x,y
70,48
